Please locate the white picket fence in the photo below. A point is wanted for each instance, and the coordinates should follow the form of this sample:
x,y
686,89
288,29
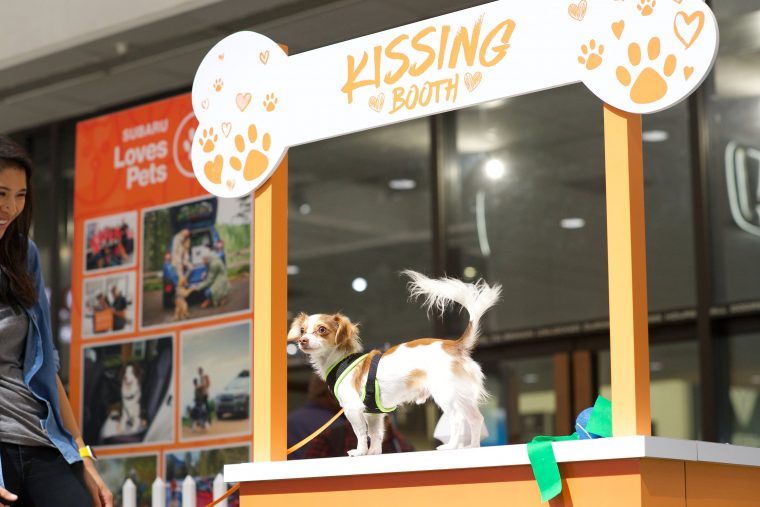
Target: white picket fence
x,y
159,493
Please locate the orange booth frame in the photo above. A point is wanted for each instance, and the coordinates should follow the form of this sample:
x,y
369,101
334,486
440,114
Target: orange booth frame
x,y
651,473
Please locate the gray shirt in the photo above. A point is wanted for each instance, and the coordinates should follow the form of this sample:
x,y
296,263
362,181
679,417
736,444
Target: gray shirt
x,y
20,411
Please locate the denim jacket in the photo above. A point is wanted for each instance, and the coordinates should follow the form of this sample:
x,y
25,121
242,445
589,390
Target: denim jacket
x,y
41,365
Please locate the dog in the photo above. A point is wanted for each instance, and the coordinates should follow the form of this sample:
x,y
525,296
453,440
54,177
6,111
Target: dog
x,y
181,309
128,413
409,372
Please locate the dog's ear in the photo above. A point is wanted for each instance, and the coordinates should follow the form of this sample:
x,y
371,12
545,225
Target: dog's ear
x,y
347,332
295,328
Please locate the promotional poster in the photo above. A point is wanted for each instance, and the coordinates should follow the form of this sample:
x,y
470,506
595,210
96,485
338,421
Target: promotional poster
x,y
162,299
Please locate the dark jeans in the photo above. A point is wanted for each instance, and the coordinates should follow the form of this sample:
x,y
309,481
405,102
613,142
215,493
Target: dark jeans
x,y
41,477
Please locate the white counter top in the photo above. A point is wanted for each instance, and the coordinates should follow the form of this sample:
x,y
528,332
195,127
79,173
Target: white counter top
x,y
507,455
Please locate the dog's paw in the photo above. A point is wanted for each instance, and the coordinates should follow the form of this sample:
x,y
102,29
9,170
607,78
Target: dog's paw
x,y
373,452
446,447
357,452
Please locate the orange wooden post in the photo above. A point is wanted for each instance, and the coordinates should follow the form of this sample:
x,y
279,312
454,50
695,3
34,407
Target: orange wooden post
x,y
626,265
270,298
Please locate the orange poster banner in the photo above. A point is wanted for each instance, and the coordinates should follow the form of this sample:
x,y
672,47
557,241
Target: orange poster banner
x,y
162,312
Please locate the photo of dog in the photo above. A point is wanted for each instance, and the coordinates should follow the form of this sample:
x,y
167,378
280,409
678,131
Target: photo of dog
x,y
410,372
128,395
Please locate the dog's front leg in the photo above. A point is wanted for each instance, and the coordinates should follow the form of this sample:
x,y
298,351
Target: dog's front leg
x,y
376,425
359,425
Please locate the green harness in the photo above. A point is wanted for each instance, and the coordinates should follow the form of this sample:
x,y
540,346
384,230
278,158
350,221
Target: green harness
x,y
371,397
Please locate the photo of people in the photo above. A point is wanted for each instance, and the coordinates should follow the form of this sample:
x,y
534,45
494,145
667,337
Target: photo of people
x,y
215,381
110,242
203,465
108,305
142,470
128,392
196,260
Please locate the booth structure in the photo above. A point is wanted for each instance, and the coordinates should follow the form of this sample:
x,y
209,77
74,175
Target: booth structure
x,y
638,57
619,471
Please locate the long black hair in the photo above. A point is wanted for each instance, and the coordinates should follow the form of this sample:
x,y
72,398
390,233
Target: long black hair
x,y
16,283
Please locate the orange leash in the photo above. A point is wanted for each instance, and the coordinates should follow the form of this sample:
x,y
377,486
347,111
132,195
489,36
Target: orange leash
x,y
290,451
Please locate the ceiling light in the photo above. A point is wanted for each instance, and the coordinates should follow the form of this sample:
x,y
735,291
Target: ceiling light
x,y
494,104
572,223
654,136
402,184
359,284
495,169
304,209
470,272
64,333
292,349
121,48
293,269
531,378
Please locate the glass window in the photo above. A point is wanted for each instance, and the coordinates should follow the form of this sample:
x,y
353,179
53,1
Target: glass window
x,y
359,214
528,207
733,122
523,401
674,389
739,391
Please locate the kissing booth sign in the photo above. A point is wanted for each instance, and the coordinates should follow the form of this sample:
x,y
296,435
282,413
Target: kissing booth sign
x,y
253,102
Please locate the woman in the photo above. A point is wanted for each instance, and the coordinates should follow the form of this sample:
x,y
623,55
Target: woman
x,y
41,450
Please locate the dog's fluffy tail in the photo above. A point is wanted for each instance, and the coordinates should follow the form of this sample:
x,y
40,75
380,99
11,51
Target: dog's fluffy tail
x,y
440,293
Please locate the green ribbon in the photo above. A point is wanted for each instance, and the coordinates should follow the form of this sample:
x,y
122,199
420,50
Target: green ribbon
x,y
600,421
541,453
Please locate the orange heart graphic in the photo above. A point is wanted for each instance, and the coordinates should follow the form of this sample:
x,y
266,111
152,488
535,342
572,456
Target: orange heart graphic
x,y
577,11
471,81
687,72
204,104
242,100
226,128
230,184
617,28
264,57
213,170
685,31
376,102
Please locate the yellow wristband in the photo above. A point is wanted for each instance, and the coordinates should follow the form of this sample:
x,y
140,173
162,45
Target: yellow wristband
x,y
87,452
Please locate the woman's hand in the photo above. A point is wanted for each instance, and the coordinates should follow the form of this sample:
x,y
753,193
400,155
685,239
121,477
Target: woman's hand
x,y
7,495
101,495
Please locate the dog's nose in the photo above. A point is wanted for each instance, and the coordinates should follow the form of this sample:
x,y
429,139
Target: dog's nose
x,y
303,340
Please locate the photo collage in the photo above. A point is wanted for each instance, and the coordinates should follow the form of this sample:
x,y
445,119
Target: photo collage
x,y
166,343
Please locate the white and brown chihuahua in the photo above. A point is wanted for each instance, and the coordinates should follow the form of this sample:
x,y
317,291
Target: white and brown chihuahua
x,y
409,372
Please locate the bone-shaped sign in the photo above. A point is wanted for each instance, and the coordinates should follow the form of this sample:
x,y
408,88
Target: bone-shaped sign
x,y
253,101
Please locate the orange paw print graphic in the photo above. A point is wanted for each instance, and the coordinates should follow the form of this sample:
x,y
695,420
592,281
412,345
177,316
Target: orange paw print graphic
x,y
592,56
649,86
213,170
218,85
208,140
270,102
646,7
256,162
